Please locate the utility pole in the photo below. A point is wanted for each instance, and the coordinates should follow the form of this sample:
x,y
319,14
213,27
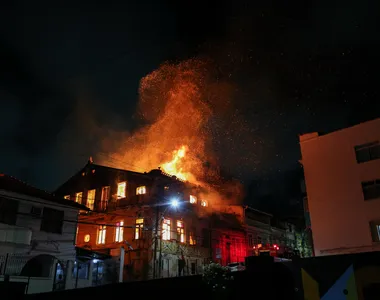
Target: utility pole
x,y
155,239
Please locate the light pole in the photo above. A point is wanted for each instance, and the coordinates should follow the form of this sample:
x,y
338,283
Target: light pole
x,y
173,203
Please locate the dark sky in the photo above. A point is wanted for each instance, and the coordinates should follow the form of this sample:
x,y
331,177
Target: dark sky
x,y
301,66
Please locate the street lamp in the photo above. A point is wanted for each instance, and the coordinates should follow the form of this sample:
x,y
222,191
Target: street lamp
x,y
174,203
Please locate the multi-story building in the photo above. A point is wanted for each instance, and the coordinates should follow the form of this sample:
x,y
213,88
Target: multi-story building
x,y
342,175
157,224
260,232
37,236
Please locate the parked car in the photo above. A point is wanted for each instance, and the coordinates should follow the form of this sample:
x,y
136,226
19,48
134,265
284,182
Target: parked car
x,y
238,266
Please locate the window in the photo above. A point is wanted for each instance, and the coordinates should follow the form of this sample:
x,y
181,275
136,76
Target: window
x,y
87,238
91,199
166,229
375,230
121,189
367,152
102,234
205,237
78,197
180,232
119,232
80,270
371,189
8,211
204,203
139,228
192,237
67,197
141,190
193,199
52,220
104,197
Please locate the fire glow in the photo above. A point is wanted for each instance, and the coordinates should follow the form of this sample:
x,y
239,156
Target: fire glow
x,y
181,107
173,167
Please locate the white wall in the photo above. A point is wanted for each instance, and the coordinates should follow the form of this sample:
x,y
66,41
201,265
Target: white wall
x,y
59,245
339,215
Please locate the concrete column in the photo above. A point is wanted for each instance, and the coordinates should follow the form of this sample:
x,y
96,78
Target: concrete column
x,y
69,273
121,264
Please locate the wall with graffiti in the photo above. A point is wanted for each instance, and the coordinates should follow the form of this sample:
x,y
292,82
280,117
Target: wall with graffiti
x,y
336,277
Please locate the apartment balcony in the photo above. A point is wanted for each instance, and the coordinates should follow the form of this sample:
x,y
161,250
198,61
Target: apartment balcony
x,y
15,234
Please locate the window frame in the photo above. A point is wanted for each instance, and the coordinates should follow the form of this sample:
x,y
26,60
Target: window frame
x,y
53,223
124,183
101,235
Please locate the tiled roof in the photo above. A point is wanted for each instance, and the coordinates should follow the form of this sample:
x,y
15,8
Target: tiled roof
x,y
12,184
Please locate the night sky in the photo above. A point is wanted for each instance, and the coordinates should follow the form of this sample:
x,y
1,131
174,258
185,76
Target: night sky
x,y
298,67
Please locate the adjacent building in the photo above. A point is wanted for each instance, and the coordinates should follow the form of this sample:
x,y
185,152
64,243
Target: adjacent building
x,y
342,176
37,236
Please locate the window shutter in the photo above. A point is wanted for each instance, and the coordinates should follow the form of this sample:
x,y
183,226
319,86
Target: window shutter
x,y
374,233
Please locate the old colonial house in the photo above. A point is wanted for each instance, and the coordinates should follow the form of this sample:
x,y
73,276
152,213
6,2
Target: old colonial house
x,y
157,224
37,236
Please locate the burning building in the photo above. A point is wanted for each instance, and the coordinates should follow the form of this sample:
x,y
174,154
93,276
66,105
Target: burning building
x,y
158,224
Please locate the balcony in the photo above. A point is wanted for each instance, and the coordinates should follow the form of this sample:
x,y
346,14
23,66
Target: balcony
x,y
15,234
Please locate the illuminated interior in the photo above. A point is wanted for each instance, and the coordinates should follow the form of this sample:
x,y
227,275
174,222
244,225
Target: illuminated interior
x,y
139,228
121,189
193,199
166,228
141,190
101,234
119,232
180,231
91,199
204,203
78,197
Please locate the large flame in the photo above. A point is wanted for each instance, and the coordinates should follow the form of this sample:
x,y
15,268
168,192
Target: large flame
x,y
174,167
177,106
174,105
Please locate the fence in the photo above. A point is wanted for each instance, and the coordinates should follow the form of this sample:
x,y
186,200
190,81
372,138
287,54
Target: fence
x,y
12,264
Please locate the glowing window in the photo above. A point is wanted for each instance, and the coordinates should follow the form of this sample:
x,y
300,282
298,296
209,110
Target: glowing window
x,y
192,238
180,231
119,232
104,197
67,197
193,199
139,228
91,199
141,190
102,234
166,228
78,197
86,238
121,189
204,203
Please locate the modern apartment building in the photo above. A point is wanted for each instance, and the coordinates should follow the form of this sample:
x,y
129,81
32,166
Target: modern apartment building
x,y
342,175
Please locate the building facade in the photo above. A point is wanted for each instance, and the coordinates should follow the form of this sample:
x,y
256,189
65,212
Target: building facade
x,y
37,236
342,176
157,224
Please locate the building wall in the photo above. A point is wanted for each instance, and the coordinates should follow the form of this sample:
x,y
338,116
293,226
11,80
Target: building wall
x,y
340,217
139,253
26,236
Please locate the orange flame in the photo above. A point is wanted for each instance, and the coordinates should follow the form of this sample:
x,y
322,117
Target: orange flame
x,y
174,167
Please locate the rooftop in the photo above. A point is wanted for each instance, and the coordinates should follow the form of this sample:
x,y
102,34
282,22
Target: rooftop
x,y
12,184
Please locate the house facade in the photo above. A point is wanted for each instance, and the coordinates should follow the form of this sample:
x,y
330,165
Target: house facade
x,y
342,176
37,235
155,223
